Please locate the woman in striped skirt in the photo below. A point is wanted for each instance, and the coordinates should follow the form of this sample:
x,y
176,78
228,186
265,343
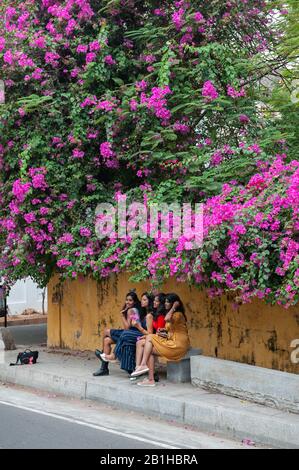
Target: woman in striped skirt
x,y
125,349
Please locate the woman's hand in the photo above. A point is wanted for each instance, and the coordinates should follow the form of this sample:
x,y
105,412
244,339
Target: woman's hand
x,y
168,317
134,323
162,333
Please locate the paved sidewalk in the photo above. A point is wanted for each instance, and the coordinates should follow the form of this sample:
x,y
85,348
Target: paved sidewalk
x,y
70,375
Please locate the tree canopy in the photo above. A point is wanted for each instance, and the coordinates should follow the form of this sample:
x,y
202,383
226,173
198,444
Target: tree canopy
x,y
172,101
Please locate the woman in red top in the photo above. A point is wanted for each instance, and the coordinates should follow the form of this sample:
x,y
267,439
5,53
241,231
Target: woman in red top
x,y
158,324
159,312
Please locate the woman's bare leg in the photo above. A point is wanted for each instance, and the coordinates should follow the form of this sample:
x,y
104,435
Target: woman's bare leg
x,y
151,374
110,357
148,350
107,343
151,366
139,351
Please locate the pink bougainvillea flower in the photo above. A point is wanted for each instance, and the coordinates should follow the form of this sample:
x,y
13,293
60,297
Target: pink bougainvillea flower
x,y
77,153
209,91
109,60
85,232
198,17
64,263
234,93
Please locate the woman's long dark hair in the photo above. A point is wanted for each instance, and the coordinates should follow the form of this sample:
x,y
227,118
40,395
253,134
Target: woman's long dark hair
x,y
136,300
161,309
171,298
150,308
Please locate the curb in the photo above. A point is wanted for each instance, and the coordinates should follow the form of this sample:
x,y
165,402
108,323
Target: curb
x,y
226,416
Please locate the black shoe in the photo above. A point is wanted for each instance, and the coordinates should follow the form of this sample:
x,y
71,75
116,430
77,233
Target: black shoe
x,y
101,372
98,355
156,377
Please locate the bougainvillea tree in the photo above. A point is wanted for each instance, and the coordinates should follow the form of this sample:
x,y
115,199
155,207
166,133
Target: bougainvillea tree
x,y
160,101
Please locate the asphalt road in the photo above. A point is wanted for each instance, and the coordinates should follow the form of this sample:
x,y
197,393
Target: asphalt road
x,y
34,419
29,335
22,429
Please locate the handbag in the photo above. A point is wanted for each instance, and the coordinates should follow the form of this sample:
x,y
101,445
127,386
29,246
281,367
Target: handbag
x,y
26,357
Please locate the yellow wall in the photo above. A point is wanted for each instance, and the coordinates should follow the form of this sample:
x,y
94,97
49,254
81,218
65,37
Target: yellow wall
x,y
255,333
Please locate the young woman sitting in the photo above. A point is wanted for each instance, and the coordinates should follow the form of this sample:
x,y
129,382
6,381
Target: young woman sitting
x,y
130,312
125,350
158,324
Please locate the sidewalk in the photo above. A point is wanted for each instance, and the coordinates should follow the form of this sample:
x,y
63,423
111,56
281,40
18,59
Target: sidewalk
x,y
70,375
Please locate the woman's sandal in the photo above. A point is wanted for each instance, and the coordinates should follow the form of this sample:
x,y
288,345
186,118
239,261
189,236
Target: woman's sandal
x,y
106,359
147,383
140,371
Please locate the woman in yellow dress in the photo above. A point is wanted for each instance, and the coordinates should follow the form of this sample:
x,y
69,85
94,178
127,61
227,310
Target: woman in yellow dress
x,y
170,343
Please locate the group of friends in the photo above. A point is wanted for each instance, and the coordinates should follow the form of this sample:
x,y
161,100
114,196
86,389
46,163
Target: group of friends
x,y
156,325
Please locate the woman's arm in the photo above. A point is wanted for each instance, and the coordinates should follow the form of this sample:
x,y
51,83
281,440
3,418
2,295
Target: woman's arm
x,y
172,311
125,315
149,325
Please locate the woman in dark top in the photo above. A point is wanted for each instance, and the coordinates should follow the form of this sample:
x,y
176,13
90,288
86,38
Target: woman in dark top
x,y
129,313
125,350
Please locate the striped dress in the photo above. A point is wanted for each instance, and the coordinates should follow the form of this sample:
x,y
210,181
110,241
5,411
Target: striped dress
x,y
125,349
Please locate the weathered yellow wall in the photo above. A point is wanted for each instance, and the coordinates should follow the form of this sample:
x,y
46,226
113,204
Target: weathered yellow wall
x,y
255,333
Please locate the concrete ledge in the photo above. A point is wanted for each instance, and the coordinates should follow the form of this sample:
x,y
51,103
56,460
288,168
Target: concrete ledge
x,y
264,386
180,371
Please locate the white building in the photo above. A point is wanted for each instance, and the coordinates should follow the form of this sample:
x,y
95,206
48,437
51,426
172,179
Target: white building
x,y
25,294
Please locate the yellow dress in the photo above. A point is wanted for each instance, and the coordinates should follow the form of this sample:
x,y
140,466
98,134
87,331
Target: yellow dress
x,y
177,344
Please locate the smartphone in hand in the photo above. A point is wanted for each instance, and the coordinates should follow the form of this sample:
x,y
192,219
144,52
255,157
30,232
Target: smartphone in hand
x,y
162,332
